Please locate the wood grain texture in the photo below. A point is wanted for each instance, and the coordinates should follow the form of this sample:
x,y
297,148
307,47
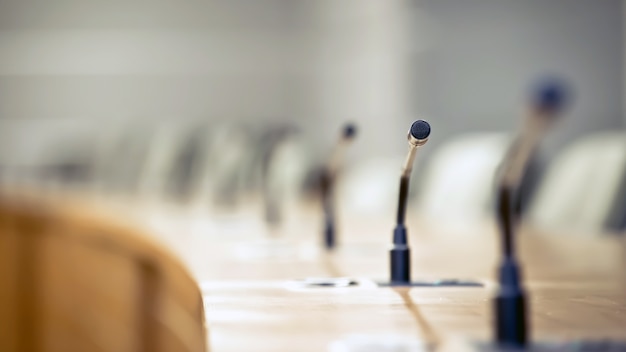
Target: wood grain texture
x,y
577,284
85,282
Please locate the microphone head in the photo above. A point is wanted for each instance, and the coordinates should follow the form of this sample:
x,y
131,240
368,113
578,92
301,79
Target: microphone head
x,y
419,132
550,96
349,131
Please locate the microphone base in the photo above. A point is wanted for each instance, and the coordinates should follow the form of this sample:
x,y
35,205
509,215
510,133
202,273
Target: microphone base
x,y
511,321
400,265
330,240
511,330
400,257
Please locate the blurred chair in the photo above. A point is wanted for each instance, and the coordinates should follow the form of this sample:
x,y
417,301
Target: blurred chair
x,y
121,155
75,281
222,171
276,168
48,153
458,182
583,188
68,164
284,178
370,187
173,157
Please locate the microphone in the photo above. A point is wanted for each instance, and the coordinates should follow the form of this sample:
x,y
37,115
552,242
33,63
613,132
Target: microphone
x,y
510,303
400,254
547,102
327,182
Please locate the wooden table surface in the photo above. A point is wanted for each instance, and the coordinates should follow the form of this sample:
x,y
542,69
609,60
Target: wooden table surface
x,y
254,300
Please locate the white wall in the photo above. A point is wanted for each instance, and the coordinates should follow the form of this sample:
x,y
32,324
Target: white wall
x,y
464,64
320,63
360,72
485,54
103,59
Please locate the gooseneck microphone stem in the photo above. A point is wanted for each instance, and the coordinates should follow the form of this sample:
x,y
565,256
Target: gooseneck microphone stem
x,y
400,253
404,192
327,206
329,230
505,216
510,303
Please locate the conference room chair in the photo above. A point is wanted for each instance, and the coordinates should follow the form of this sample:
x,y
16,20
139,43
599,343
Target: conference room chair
x,y
40,152
285,177
173,157
122,153
221,171
74,280
583,190
458,180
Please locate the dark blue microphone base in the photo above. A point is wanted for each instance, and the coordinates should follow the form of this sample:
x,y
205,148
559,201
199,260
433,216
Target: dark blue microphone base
x,y
330,241
511,327
510,311
400,264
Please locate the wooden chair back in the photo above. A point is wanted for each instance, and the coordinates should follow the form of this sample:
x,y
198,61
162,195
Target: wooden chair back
x,y
75,281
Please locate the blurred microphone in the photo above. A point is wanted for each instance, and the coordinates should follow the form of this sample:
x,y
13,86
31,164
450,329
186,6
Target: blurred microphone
x,y
545,107
400,254
548,101
327,182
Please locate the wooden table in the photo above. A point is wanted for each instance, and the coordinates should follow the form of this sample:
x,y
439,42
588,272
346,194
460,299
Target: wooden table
x,y
248,274
253,300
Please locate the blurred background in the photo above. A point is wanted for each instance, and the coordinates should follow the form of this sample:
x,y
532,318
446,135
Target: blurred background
x,y
213,103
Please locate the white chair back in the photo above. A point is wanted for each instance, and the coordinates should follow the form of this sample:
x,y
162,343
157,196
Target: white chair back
x,y
582,185
459,181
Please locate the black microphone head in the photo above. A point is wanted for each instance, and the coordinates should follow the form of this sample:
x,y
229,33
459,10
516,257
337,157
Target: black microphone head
x,y
349,131
550,96
420,130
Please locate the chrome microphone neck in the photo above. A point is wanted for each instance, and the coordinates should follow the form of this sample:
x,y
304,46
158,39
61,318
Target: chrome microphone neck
x,y
511,325
400,254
